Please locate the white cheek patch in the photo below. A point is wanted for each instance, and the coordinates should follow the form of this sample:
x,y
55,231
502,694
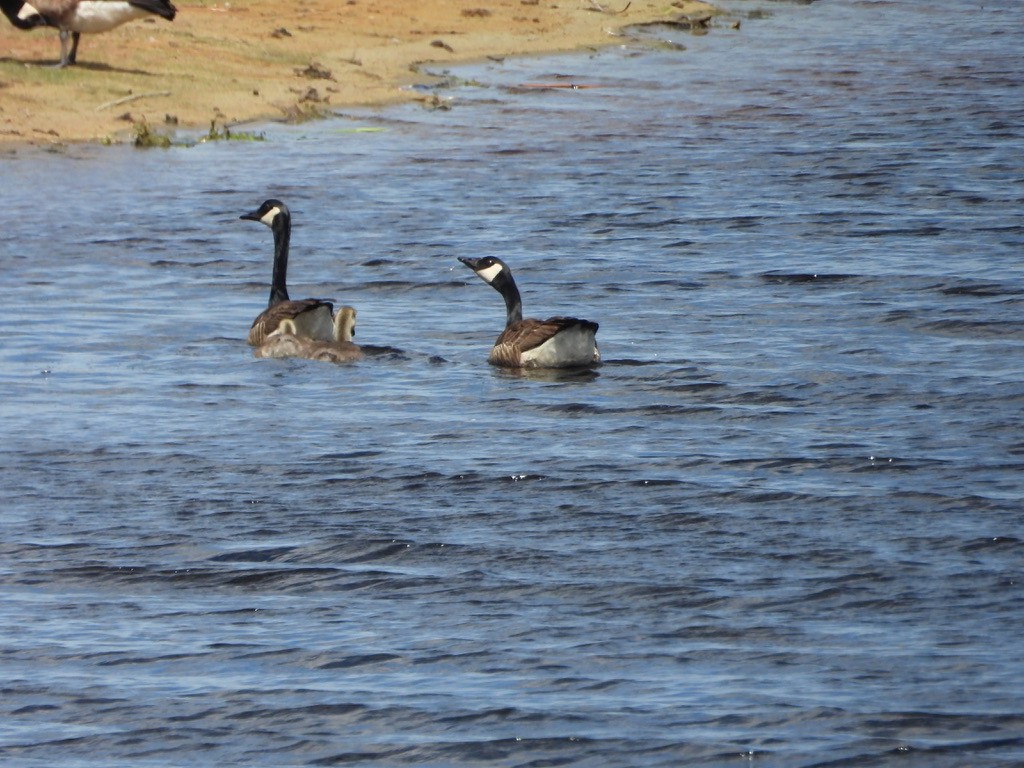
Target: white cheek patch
x,y
27,12
269,216
490,272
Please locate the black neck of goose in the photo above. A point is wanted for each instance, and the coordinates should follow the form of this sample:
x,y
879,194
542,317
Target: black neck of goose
x,y
12,8
282,229
506,286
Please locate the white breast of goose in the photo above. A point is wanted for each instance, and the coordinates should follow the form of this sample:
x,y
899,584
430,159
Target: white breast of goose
x,y
93,16
573,346
570,347
315,324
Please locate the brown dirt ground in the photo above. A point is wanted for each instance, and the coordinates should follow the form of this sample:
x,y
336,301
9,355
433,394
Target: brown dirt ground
x,y
250,60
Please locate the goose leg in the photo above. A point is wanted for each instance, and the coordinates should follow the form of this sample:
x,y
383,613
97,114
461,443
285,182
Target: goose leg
x,y
65,59
73,56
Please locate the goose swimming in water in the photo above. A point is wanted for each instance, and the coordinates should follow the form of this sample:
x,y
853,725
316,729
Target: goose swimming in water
x,y
73,17
310,318
285,343
558,342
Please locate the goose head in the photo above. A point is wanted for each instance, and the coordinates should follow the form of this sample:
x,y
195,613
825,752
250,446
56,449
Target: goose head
x,y
496,274
345,324
273,213
490,269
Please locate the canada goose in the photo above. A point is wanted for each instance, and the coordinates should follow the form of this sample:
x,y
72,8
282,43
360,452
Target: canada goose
x,y
307,317
73,17
285,343
558,342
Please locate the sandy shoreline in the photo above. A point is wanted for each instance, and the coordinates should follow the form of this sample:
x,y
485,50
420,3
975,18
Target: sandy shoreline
x,y
251,60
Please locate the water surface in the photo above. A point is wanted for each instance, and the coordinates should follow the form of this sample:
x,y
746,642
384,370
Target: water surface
x,y
780,526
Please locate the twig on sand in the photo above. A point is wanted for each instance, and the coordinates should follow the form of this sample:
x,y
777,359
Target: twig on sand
x,y
134,97
596,6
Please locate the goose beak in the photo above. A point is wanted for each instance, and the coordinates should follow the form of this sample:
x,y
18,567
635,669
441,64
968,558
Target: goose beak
x,y
471,263
251,216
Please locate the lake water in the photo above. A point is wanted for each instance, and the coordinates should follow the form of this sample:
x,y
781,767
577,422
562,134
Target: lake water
x,y
782,525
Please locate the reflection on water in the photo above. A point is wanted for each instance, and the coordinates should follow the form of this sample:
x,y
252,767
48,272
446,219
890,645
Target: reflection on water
x,y
781,522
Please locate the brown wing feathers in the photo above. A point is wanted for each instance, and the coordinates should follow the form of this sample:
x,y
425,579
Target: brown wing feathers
x,y
271,318
530,333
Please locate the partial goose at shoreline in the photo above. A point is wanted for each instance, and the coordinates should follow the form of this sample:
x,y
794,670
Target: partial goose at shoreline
x,y
311,318
284,343
73,17
558,342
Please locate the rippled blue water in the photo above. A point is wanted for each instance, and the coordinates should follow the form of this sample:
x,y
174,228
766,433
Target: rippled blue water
x,y
781,526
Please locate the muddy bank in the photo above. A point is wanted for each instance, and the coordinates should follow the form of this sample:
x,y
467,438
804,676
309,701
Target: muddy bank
x,y
247,60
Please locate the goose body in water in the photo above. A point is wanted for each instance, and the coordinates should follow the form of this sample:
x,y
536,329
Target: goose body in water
x,y
310,318
285,343
73,17
558,342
